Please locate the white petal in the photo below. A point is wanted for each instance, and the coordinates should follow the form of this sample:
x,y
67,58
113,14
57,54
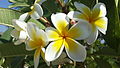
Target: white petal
x,y
39,10
83,8
43,56
23,35
35,15
93,36
19,25
74,15
31,30
36,57
23,17
75,50
18,42
99,10
80,30
60,21
54,50
102,24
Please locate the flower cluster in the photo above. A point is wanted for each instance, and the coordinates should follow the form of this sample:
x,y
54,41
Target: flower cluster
x,y
52,41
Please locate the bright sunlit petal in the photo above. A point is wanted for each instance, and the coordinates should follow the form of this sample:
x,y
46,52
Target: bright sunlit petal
x,y
80,30
102,24
60,21
75,50
22,35
23,16
54,50
19,25
52,34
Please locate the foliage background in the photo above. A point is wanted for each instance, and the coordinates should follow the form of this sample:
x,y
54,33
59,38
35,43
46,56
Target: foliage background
x,y
104,53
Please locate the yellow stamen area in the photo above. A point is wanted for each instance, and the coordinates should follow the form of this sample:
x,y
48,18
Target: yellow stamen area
x,y
62,26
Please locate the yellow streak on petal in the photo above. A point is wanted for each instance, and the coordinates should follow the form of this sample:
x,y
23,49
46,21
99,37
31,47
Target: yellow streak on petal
x,y
36,43
57,45
100,23
37,52
53,35
62,26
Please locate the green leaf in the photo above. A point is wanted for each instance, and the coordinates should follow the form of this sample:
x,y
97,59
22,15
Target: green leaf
x,y
6,35
106,52
10,50
51,5
18,5
7,15
102,63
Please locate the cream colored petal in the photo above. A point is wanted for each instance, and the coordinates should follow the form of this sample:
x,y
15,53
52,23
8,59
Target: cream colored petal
x,y
19,25
15,33
75,15
22,35
54,50
43,56
93,36
101,24
60,21
18,42
99,10
24,16
31,30
75,50
40,34
39,10
83,8
35,15
80,30
52,34
36,57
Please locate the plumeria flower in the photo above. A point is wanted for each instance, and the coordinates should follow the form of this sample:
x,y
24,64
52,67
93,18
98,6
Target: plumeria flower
x,y
36,10
96,17
62,37
37,39
19,33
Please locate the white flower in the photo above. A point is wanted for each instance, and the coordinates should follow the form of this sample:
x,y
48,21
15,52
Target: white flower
x,y
62,37
19,33
95,17
37,39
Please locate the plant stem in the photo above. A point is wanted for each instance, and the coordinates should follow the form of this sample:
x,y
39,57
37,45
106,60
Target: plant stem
x,y
60,3
46,22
